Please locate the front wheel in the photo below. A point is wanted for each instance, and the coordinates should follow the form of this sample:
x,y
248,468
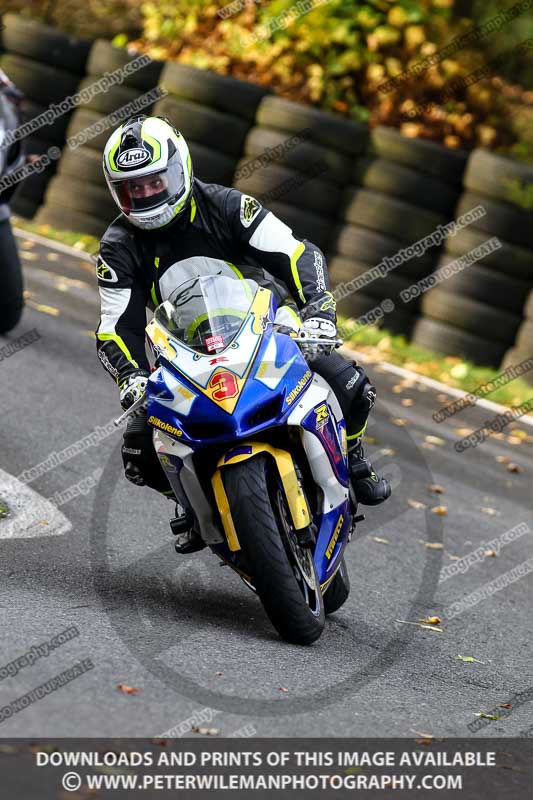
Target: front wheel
x,y
283,573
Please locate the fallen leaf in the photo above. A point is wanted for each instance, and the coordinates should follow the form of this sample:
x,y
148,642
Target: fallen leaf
x,y
493,512
434,545
468,659
388,451
434,440
453,558
506,705
379,540
407,402
442,511
420,625
205,731
512,467
125,689
514,440
486,716
416,504
435,487
431,620
397,388
427,446
427,740
502,459
370,439
442,398
464,431
490,553
283,689
399,421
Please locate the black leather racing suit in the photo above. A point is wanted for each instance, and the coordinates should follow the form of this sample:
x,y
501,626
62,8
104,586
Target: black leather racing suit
x,y
139,269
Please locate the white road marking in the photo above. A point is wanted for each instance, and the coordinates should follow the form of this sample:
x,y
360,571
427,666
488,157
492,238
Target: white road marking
x,y
31,515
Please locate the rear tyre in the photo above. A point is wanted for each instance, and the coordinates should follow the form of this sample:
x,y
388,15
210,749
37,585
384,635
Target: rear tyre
x,y
283,574
337,593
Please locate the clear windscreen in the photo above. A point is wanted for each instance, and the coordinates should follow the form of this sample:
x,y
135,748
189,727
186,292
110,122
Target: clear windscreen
x,y
207,312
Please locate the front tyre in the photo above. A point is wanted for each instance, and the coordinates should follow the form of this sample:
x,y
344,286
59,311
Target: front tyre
x,y
283,573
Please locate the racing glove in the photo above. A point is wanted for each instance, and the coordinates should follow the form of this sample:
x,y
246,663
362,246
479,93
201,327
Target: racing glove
x,y
132,389
319,321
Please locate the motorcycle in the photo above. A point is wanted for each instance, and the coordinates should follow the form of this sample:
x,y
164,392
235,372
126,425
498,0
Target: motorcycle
x,y
254,446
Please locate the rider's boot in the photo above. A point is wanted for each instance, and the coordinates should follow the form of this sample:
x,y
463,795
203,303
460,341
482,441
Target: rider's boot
x,y
188,540
370,489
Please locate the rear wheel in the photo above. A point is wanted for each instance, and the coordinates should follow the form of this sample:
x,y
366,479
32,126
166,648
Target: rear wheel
x,y
283,573
337,593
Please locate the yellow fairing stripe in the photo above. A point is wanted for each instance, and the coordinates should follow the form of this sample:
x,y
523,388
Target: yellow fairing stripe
x,y
293,492
225,511
113,337
294,269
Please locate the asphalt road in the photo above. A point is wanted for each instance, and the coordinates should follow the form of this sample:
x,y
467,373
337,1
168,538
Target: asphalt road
x,y
188,634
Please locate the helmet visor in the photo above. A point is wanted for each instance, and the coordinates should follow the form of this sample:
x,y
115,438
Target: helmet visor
x,y
148,191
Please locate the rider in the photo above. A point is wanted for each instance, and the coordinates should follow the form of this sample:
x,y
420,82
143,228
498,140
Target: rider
x,y
171,222
11,158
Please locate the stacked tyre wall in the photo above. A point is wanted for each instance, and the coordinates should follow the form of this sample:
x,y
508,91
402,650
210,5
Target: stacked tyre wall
x,y
367,198
47,66
77,197
477,313
400,191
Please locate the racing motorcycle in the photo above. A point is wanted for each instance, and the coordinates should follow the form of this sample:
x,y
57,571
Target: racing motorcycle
x,y
254,446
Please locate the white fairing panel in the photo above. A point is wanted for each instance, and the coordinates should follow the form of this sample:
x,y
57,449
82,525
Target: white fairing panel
x,y
319,392
166,445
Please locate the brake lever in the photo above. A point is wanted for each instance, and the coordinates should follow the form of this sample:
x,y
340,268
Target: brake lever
x,y
131,410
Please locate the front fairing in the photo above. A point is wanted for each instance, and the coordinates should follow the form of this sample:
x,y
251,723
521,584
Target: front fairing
x,y
251,385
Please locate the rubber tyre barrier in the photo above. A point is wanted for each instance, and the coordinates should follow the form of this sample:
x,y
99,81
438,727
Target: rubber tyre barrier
x,y
488,286
54,132
220,92
305,224
301,156
11,282
452,341
370,247
64,219
343,270
358,305
24,207
528,306
106,58
112,99
524,339
83,163
210,166
83,119
86,198
517,262
388,215
515,356
213,129
290,187
493,175
502,220
420,154
470,315
39,42
338,133
407,184
39,82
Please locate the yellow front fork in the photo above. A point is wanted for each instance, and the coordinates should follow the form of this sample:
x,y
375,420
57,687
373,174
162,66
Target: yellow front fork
x,y
293,491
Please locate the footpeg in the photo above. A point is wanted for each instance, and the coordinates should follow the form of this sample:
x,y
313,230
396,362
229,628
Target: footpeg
x,y
181,524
